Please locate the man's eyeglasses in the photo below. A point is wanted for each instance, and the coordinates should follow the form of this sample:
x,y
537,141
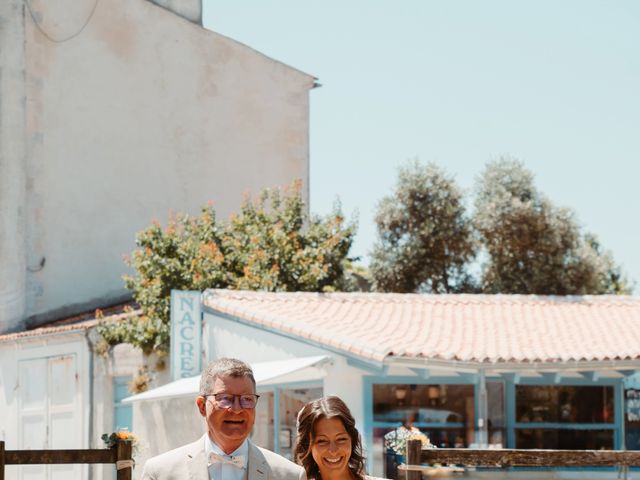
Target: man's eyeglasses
x,y
227,400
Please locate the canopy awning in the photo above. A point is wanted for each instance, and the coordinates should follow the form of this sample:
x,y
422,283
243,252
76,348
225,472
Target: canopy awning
x,y
303,369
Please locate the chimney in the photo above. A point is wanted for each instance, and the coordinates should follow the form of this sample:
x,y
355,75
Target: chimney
x,y
189,9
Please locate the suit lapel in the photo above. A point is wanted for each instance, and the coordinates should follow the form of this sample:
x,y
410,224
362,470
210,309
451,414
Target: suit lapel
x,y
197,461
257,468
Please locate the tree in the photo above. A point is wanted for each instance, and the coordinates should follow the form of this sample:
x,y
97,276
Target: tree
x,y
424,236
271,245
531,246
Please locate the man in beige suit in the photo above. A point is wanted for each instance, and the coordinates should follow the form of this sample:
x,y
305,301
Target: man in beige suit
x,y
227,402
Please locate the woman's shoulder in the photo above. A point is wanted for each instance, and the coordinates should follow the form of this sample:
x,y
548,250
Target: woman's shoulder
x,y
367,477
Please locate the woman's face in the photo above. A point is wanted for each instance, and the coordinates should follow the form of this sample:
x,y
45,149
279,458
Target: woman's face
x,y
331,448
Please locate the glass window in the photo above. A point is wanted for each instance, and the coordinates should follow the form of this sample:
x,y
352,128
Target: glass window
x,y
564,439
632,418
444,413
556,408
291,401
496,419
433,404
563,404
122,412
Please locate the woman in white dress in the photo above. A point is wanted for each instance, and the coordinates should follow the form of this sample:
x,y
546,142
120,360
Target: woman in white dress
x,y
328,443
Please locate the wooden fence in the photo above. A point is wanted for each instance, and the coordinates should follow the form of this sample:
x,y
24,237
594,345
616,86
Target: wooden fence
x,y
120,455
417,458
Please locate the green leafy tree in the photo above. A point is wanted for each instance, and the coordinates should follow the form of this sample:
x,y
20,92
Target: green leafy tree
x,y
533,247
424,236
270,245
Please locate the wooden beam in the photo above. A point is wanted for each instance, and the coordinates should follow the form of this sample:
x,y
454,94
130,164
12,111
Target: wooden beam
x,y
50,457
414,448
1,460
124,460
530,458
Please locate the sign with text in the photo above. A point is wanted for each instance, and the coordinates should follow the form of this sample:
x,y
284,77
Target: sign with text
x,y
186,334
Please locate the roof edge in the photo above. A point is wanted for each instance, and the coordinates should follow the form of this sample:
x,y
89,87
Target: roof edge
x,y
375,363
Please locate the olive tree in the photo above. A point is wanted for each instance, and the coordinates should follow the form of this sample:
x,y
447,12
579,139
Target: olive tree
x,y
424,240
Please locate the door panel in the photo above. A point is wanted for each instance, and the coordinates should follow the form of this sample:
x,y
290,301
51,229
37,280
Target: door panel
x,y
33,384
34,432
33,472
50,413
63,380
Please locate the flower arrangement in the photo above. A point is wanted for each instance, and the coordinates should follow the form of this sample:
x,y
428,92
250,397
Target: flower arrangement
x,y
110,440
397,439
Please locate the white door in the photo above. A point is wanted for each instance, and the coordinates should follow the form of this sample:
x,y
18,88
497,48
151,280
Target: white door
x,y
50,413
32,430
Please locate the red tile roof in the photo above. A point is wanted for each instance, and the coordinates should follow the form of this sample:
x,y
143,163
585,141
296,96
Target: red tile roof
x,y
467,328
77,322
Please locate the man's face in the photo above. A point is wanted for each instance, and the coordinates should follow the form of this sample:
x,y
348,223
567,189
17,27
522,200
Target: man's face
x,y
228,427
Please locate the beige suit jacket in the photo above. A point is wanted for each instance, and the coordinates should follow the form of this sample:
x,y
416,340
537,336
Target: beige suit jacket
x,y
190,463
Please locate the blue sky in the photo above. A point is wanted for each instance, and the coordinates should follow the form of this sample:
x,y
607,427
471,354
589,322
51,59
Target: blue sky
x,y
555,84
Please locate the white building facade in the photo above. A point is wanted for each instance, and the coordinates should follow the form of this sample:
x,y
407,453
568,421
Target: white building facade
x,y
487,371
477,370
115,113
56,392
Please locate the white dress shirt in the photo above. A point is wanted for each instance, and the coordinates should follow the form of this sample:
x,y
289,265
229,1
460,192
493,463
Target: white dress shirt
x,y
227,471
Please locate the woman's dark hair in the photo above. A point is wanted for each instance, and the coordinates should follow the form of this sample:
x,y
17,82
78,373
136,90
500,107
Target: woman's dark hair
x,y
326,407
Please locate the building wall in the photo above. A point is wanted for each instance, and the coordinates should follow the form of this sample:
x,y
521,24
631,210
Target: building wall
x,y
43,398
12,162
189,9
132,112
88,387
224,337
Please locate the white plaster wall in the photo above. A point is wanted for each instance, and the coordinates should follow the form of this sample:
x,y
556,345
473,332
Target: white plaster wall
x,y
345,381
12,164
228,338
139,113
163,425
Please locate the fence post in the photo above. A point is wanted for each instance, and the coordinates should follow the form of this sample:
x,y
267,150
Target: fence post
x,y
124,460
1,460
414,449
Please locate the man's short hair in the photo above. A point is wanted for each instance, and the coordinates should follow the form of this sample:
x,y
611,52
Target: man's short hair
x,y
224,367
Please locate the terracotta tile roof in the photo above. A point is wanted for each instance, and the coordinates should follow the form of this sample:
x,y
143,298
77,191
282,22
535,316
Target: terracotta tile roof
x,y
69,324
467,328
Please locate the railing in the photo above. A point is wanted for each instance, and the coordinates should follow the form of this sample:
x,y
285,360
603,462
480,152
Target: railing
x,y
503,458
120,455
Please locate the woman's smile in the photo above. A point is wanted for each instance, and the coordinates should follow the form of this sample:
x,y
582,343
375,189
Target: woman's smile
x,y
331,449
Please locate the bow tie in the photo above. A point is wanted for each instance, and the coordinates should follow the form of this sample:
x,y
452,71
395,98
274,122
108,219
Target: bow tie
x,y
237,461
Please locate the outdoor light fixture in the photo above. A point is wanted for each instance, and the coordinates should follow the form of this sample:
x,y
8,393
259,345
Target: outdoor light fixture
x,y
401,393
433,392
